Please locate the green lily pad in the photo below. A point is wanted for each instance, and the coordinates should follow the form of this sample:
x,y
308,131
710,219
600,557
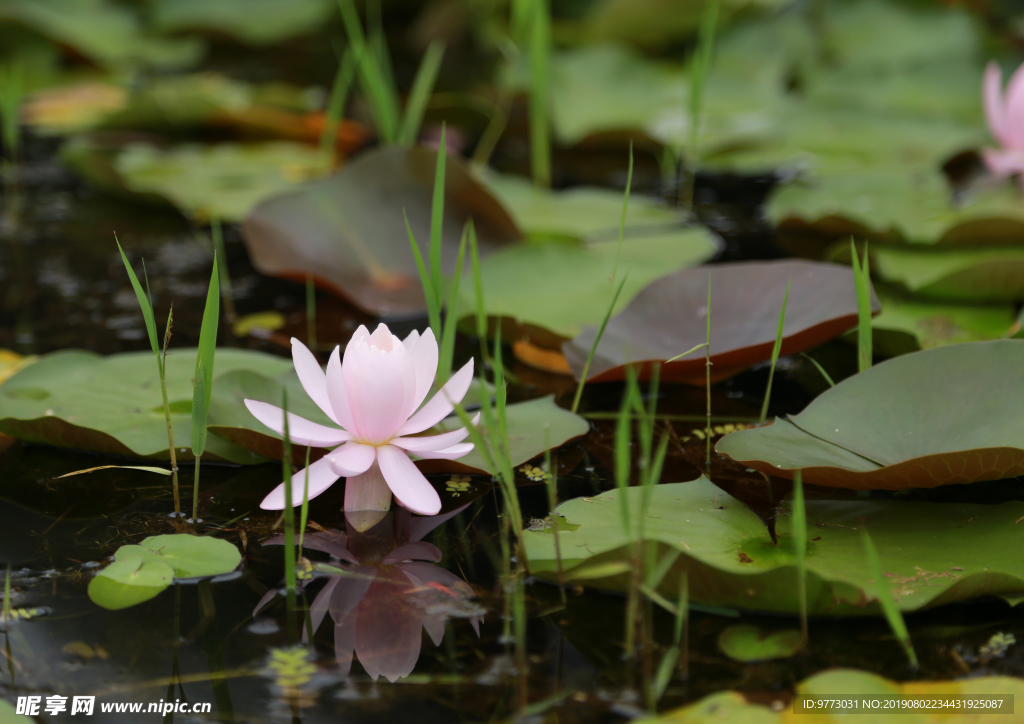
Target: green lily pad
x,y
114,405
141,572
108,33
533,427
10,715
225,180
129,582
562,280
892,204
957,273
931,553
669,317
191,556
936,417
844,684
255,22
349,233
908,323
749,643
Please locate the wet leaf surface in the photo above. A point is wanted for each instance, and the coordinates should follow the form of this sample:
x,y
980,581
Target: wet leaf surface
x,y
749,643
348,231
931,553
669,317
889,427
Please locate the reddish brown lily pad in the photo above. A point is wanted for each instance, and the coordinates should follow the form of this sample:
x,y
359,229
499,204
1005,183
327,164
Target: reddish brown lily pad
x,y
669,317
348,231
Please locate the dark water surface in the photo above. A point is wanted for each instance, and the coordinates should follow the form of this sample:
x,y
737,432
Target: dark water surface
x,y
442,618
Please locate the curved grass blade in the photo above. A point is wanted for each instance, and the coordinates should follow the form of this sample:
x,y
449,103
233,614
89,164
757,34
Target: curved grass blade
x,y
775,353
422,87
144,468
144,303
862,283
889,608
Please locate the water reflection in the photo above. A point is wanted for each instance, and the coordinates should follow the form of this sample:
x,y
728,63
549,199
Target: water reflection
x,y
392,588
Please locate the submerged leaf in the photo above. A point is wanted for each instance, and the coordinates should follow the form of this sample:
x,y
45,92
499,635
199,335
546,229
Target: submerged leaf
x,y
937,417
749,643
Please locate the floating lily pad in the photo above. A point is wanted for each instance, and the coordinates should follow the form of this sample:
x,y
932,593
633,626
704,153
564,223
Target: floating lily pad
x,y
348,231
845,684
106,32
994,274
937,417
749,643
256,22
114,405
226,180
129,582
907,323
931,553
669,317
562,279
141,572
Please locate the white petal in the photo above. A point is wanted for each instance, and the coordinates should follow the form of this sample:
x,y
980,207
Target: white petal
x,y
431,442
406,481
352,458
449,453
442,403
321,477
300,430
337,395
380,385
311,376
424,359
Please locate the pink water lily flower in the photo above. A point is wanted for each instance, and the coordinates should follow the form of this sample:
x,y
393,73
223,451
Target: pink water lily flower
x,y
374,394
1005,115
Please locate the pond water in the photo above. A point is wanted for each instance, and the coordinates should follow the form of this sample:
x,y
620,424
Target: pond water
x,y
437,624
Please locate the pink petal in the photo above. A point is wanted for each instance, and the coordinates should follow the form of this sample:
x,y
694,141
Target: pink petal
x,y
311,376
350,591
352,459
434,625
421,526
388,637
321,477
365,493
1003,163
431,442
318,609
1014,116
380,385
992,97
449,453
406,481
424,358
338,395
267,598
442,403
300,430
411,339
415,551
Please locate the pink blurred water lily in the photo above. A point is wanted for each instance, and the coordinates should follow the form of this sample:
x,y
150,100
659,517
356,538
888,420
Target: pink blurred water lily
x,y
1005,115
374,394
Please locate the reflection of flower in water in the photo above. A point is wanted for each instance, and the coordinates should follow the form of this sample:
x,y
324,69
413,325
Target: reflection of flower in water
x,y
392,590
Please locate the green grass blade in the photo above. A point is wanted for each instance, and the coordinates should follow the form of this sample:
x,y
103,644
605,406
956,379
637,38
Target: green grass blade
x,y
775,353
335,108
451,318
204,361
144,303
422,87
707,379
221,257
699,69
665,670
437,221
540,89
478,289
862,283
381,93
817,365
304,515
702,345
500,398
433,308
623,446
289,511
888,603
800,547
597,340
